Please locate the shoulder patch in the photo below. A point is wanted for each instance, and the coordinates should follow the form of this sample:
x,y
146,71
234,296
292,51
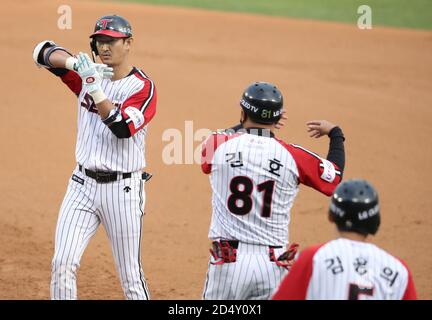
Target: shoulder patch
x,y
329,171
136,116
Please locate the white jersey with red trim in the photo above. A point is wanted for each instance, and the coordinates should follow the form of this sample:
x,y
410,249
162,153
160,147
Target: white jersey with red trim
x,y
107,186
97,147
344,269
255,180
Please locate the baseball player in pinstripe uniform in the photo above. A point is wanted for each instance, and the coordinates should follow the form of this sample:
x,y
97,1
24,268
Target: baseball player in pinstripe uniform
x,y
255,178
349,268
116,101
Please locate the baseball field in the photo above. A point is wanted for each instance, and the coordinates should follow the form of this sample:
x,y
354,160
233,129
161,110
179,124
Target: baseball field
x,y
375,83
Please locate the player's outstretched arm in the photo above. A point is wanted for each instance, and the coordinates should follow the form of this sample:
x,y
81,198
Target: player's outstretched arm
x,y
63,64
50,55
314,171
336,154
60,62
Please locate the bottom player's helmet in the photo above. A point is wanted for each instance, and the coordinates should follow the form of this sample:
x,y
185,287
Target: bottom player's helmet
x,y
354,207
262,102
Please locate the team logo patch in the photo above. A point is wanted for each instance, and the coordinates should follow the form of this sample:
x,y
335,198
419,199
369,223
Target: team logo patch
x,y
136,116
329,172
90,80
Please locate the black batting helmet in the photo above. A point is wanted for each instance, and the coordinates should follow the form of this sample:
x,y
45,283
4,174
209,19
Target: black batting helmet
x,y
262,102
354,207
112,26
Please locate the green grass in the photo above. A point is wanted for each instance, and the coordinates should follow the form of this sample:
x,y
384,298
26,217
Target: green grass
x,y
399,13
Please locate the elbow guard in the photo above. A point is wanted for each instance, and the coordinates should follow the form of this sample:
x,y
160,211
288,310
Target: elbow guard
x,y
42,59
38,52
117,124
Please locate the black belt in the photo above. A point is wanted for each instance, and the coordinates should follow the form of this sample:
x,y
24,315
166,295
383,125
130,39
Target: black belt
x,y
235,244
110,176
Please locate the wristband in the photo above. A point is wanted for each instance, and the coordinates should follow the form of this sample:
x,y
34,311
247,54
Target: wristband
x,y
336,132
113,116
98,96
70,63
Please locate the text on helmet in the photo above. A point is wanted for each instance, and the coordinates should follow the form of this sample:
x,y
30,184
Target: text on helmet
x,y
368,213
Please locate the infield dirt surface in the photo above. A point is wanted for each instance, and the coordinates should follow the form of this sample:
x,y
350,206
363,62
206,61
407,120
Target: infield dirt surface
x,y
376,84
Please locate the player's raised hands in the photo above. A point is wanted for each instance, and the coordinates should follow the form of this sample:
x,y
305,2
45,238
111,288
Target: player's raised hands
x,y
318,128
91,79
88,72
104,71
84,66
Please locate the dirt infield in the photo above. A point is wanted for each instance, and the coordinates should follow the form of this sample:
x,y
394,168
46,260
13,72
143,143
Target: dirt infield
x,y
376,84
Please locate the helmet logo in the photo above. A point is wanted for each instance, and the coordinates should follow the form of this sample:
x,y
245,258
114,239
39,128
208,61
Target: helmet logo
x,y
369,213
338,211
90,80
103,23
248,106
277,113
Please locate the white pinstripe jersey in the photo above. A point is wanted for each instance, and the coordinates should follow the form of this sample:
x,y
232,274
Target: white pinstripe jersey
x,y
97,147
255,180
344,269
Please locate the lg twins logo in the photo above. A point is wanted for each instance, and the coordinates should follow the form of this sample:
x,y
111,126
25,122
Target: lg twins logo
x,y
103,23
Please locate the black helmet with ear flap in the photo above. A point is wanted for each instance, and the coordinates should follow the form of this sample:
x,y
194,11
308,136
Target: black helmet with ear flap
x,y
262,102
354,207
112,26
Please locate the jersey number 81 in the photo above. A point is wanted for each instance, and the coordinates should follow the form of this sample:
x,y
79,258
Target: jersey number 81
x,y
244,194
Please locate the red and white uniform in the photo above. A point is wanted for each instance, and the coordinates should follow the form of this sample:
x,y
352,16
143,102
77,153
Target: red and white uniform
x,y
118,205
255,179
97,148
344,269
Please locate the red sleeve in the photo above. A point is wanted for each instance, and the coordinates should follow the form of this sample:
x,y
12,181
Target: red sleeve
x,y
410,291
140,107
73,81
294,286
209,147
314,171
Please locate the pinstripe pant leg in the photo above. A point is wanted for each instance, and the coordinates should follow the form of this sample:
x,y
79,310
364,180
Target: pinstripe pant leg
x,y
76,224
228,281
122,213
218,282
268,275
